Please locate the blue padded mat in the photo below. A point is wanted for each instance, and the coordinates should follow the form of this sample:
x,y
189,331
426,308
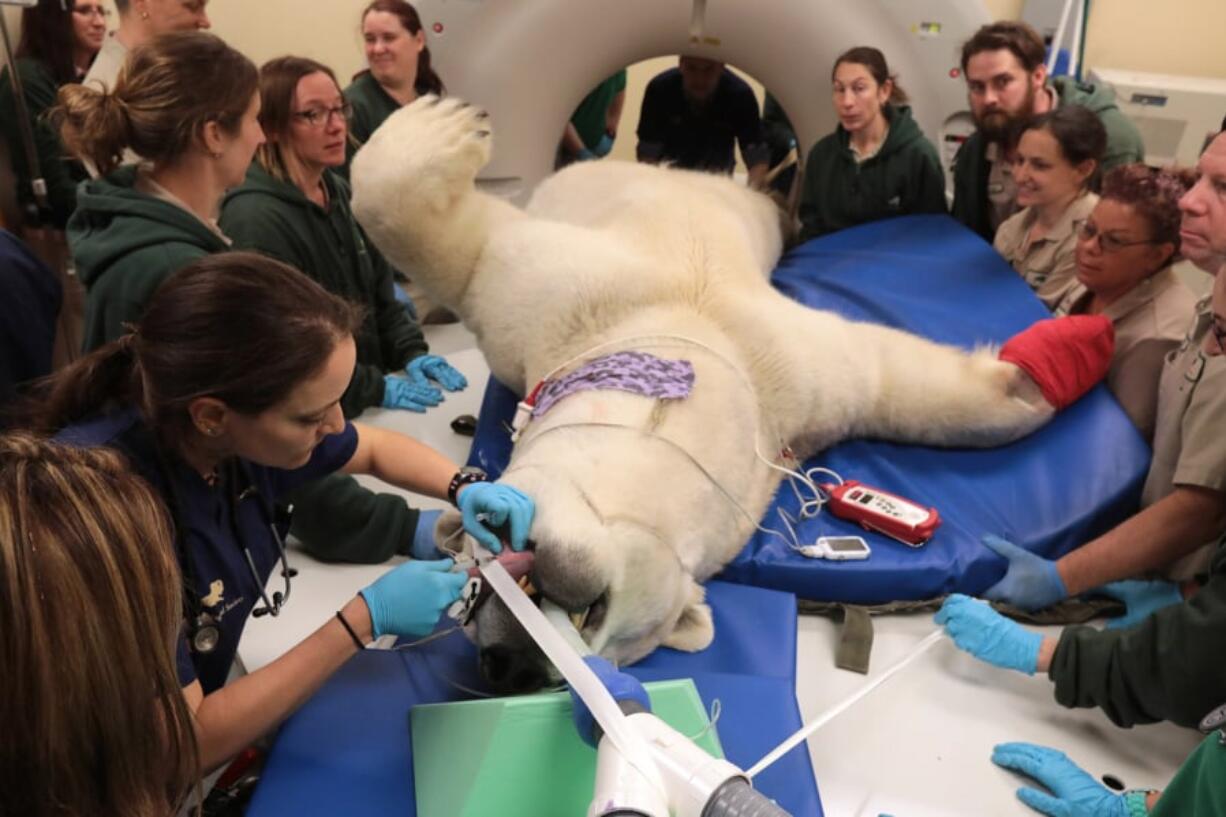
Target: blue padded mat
x,y
348,749
1050,492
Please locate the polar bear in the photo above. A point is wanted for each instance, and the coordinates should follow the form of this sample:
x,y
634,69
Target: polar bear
x,y
640,499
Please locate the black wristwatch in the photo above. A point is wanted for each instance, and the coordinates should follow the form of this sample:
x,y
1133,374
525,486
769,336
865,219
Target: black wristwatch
x,y
465,476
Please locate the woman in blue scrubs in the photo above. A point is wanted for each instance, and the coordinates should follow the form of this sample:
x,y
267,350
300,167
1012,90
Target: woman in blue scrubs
x,y
225,397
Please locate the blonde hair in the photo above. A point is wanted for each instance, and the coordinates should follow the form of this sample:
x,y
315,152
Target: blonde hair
x,y
94,718
168,89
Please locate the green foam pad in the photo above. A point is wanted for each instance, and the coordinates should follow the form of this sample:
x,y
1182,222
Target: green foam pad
x,y
521,756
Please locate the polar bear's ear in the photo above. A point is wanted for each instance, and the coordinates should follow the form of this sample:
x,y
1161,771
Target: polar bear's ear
x,y
695,629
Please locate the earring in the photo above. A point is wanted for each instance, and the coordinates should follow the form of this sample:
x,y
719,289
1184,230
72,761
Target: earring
x,y
212,431
216,154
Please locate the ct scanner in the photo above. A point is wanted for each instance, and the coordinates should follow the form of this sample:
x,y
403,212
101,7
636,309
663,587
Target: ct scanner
x,y
530,62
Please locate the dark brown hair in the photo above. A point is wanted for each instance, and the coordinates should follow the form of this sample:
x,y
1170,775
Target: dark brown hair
x,y
872,59
1153,194
1013,36
47,36
278,83
1079,133
94,717
168,90
236,326
428,82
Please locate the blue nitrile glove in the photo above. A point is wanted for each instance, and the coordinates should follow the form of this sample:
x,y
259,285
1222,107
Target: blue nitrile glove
x,y
399,393
1031,582
422,546
1076,794
585,155
622,686
1142,598
500,504
435,368
604,145
408,599
986,634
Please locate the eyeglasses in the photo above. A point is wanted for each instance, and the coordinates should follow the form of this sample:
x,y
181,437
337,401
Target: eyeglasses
x,y
317,117
1088,231
96,10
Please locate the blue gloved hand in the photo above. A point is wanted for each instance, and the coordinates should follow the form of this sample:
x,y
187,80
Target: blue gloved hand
x,y
408,599
585,155
622,686
1076,794
986,634
500,504
604,145
422,547
399,393
435,368
1142,598
1031,582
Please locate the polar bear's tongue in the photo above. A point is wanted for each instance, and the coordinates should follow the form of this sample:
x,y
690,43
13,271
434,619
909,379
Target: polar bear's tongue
x,y
1064,356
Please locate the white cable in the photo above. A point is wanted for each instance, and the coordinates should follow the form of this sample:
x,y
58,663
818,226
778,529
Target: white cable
x,y
832,713
594,694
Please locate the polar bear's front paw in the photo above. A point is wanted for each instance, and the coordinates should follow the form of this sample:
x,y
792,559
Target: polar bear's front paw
x,y
433,147
450,132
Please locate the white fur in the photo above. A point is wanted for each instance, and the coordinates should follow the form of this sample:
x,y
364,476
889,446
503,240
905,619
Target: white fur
x,y
639,500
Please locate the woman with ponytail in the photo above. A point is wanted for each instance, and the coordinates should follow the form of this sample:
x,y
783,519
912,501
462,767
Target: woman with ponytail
x,y
188,105
398,71
877,163
225,397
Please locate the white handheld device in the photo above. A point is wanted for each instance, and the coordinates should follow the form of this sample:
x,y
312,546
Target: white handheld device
x,y
838,548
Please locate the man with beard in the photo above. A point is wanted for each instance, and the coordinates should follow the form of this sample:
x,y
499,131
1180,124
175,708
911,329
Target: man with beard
x,y
1007,84
692,114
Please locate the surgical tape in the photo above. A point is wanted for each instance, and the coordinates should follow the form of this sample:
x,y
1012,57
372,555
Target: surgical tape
x,y
578,674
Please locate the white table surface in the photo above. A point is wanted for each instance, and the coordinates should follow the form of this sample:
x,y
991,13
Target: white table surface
x,y
917,747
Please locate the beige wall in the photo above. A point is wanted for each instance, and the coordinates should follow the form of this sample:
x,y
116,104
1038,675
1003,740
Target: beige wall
x,y
1175,37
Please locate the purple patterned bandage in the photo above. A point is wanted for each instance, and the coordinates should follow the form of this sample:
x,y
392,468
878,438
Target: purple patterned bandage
x,y
634,372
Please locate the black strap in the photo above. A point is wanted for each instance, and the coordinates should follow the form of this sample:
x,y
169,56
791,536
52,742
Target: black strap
x,y
357,642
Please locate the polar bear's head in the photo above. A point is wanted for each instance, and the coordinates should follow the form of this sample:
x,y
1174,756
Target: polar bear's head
x,y
619,578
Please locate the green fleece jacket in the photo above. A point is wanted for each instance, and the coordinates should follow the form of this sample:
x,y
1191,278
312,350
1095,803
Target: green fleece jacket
x,y
904,177
61,172
971,169
1169,667
371,105
1199,788
124,244
274,217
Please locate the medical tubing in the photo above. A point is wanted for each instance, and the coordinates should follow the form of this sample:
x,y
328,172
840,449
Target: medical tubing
x,y
832,713
737,798
583,681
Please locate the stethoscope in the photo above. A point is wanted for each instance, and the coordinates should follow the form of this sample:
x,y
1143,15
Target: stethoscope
x,y
1215,720
203,628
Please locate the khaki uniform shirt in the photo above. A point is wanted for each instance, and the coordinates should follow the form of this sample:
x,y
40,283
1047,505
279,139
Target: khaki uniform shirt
x,y
1046,263
105,68
1150,321
1189,443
